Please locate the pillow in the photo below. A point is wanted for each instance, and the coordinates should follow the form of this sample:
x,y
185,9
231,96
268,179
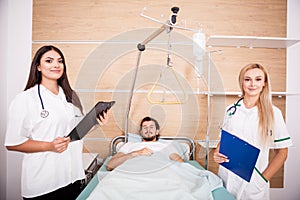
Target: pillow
x,y
132,137
181,147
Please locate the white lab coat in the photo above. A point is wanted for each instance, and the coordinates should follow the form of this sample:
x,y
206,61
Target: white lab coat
x,y
44,172
244,124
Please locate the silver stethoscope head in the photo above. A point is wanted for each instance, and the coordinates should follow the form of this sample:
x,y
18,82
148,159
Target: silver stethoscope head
x,y
44,112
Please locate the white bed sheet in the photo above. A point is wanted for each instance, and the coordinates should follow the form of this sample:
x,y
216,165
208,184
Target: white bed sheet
x,y
155,177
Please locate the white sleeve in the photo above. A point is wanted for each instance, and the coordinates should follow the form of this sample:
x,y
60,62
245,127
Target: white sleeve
x,y
282,138
225,120
18,123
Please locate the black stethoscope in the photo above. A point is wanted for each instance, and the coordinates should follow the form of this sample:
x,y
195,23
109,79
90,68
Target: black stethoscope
x,y
234,107
44,112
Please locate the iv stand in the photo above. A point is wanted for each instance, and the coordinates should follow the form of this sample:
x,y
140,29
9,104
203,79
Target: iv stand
x,y
141,47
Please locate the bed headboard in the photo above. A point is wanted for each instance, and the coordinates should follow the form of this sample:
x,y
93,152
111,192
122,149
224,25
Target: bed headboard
x,y
121,138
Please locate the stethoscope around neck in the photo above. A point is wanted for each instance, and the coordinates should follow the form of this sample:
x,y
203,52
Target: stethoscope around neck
x,y
231,111
44,112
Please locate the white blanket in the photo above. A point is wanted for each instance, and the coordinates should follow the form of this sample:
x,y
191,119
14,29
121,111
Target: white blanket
x,y
155,177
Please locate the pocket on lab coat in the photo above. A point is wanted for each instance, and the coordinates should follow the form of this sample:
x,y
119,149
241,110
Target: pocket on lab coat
x,y
258,188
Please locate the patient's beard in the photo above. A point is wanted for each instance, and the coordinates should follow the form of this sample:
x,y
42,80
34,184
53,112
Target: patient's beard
x,y
149,139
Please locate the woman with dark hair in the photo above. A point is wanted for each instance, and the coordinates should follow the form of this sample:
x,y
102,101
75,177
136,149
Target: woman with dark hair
x,y
256,120
35,76
39,118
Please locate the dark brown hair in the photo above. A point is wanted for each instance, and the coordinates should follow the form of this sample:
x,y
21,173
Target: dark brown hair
x,y
147,119
35,76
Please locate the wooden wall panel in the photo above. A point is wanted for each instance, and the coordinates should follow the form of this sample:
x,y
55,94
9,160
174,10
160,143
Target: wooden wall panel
x,y
231,60
101,19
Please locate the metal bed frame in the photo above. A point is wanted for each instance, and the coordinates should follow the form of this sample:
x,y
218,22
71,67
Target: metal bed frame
x,y
190,142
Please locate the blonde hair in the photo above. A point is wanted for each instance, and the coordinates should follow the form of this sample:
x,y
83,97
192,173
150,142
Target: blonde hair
x,y
264,105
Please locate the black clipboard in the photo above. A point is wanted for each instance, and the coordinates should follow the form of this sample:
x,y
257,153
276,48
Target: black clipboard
x,y
90,120
242,155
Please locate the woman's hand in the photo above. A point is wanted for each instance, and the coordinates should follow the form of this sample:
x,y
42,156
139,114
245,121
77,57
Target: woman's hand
x,y
60,144
103,120
218,157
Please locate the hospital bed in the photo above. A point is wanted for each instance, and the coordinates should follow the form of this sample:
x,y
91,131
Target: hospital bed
x,y
188,147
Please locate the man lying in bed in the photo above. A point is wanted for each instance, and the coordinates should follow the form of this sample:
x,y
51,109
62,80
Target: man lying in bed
x,y
149,131
147,170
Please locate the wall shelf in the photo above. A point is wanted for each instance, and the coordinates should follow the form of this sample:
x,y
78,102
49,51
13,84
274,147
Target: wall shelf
x,y
250,42
279,94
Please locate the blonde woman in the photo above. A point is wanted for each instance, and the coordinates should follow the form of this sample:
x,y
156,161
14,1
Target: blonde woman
x,y
256,120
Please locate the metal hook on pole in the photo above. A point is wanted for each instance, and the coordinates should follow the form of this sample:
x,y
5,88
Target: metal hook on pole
x,y
169,23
